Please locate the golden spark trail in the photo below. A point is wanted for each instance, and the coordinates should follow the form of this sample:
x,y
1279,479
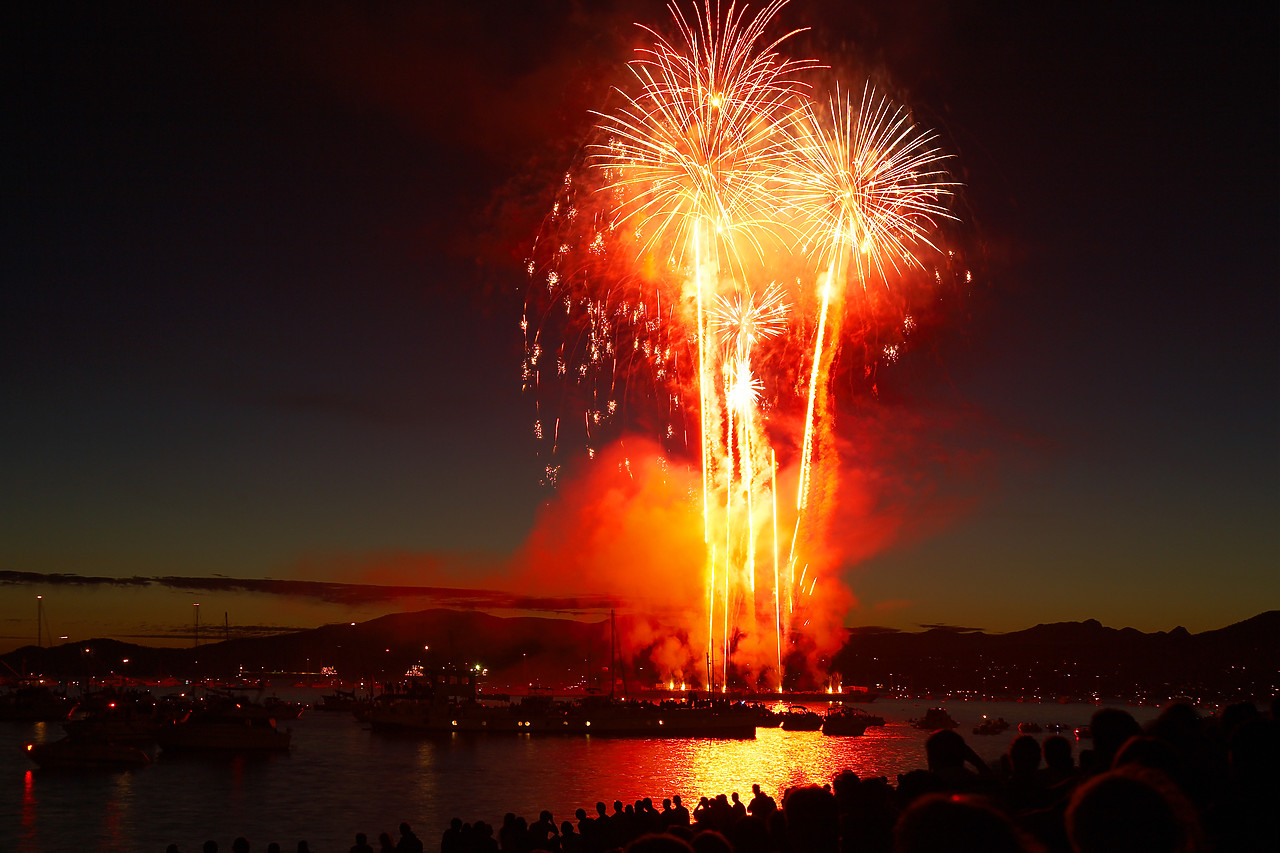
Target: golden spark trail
x,y
748,479
806,454
725,658
777,598
711,618
733,464
702,389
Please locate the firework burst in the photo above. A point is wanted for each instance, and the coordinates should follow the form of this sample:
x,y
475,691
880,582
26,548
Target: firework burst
x,y
700,144
867,183
642,291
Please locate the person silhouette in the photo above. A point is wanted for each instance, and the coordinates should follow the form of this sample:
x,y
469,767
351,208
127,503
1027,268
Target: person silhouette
x,y
408,843
957,823
1130,810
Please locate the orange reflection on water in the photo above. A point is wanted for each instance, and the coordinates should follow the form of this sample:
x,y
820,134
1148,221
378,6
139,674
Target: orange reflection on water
x,y
777,760
28,839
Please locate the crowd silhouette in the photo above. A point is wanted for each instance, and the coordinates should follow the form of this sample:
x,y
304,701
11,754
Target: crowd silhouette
x,y
1185,783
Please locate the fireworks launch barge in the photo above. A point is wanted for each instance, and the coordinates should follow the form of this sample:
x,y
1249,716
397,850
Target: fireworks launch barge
x,y
450,703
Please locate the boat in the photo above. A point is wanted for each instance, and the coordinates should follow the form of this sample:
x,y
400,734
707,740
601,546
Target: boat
x,y
800,719
84,752
1084,733
115,716
340,700
116,725
35,703
934,719
990,726
1029,728
849,722
765,717
214,731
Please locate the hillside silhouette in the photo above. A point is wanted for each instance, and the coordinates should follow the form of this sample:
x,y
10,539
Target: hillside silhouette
x,y
1079,661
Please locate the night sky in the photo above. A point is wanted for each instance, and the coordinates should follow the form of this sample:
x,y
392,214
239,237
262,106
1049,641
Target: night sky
x,y
263,275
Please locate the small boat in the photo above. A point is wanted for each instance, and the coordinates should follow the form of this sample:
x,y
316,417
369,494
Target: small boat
x,y
124,726
71,752
1029,728
340,700
934,719
765,717
35,703
115,716
800,719
989,726
1084,733
849,722
1056,728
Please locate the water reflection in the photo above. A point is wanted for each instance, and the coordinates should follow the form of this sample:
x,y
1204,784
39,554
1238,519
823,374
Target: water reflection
x,y
714,767
28,840
119,826
424,788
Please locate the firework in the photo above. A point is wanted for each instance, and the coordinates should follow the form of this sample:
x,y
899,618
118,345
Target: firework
x,y
867,183
868,186
691,157
713,171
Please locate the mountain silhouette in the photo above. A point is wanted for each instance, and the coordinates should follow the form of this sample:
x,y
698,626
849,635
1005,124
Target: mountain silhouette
x,y
1079,661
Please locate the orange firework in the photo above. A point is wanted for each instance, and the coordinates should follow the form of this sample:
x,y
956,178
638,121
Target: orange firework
x,y
868,185
691,156
715,165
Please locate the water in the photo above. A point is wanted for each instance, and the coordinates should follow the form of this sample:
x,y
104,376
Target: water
x,y
341,778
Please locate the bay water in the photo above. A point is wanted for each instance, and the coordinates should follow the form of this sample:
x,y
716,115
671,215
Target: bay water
x,y
340,778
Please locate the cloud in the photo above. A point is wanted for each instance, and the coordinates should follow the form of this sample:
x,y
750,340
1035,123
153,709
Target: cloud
x,y
236,631
330,592
940,626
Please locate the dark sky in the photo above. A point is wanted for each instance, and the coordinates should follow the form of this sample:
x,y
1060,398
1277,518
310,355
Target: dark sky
x,y
262,284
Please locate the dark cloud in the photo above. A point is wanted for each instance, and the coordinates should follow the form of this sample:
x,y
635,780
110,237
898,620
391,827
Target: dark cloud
x,y
958,629
215,633
332,593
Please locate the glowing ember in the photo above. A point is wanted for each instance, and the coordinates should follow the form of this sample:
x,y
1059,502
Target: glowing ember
x,y
717,175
